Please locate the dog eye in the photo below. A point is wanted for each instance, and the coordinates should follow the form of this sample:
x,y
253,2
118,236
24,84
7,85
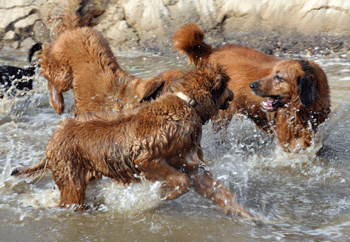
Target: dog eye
x,y
278,78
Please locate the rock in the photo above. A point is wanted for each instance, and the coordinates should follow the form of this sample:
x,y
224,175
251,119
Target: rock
x,y
10,35
15,45
27,43
267,25
27,21
13,11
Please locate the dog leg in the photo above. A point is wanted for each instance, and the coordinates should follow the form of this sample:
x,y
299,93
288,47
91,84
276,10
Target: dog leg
x,y
72,197
176,183
72,184
204,184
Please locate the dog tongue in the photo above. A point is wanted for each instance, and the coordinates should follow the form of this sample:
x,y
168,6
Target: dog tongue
x,y
268,104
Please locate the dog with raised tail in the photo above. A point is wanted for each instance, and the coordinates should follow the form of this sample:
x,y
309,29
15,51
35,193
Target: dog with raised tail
x,y
287,98
16,81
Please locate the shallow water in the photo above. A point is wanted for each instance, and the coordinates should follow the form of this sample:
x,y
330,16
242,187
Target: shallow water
x,y
303,197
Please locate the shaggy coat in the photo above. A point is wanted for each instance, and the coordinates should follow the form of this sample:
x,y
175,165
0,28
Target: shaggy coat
x,y
288,98
158,141
81,59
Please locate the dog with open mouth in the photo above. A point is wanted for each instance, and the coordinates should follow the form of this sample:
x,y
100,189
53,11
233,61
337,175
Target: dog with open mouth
x,y
287,98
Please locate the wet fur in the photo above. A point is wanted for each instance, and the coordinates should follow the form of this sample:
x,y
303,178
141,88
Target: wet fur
x,y
157,141
306,102
81,59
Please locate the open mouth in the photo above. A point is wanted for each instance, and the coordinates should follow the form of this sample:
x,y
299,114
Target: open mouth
x,y
271,104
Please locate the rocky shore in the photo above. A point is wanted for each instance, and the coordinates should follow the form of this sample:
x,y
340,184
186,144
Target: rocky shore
x,y
277,43
301,27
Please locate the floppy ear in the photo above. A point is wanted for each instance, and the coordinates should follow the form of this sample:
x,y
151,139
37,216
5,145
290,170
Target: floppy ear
x,y
152,91
219,87
307,89
56,98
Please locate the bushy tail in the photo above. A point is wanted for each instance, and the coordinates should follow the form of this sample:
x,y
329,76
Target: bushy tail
x,y
77,13
36,47
189,39
31,172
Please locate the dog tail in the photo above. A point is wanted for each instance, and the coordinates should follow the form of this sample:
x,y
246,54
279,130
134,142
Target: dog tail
x,y
36,47
77,13
189,39
31,172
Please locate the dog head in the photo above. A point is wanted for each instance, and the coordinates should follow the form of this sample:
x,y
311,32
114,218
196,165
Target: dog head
x,y
207,88
290,82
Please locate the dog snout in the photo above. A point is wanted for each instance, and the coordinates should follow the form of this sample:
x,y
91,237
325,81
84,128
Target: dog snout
x,y
254,85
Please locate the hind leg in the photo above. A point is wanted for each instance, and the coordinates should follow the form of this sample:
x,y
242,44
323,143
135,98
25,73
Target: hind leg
x,y
72,185
72,197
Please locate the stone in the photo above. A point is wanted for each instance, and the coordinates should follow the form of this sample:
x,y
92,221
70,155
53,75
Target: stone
x,y
9,16
151,23
28,21
10,35
15,45
27,43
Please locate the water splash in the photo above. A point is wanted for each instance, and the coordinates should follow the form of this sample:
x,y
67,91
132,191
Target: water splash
x,y
107,195
338,116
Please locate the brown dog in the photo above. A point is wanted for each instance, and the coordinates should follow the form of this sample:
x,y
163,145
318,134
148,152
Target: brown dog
x,y
81,59
291,96
158,141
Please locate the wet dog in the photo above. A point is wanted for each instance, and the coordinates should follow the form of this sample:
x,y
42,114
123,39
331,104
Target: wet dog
x,y
157,141
287,98
81,59
16,81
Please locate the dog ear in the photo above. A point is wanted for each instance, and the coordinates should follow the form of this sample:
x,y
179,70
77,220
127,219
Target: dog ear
x,y
307,89
56,98
307,84
152,91
219,87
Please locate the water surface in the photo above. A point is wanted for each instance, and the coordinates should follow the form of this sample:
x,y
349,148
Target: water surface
x,y
304,197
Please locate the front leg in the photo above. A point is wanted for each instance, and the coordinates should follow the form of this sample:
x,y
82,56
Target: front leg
x,y
204,184
176,183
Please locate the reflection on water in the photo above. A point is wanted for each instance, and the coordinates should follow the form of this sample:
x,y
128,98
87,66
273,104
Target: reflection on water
x,y
303,196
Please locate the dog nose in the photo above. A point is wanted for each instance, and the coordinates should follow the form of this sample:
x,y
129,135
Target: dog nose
x,y
254,85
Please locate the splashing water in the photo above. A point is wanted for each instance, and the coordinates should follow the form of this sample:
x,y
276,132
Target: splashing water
x,y
306,196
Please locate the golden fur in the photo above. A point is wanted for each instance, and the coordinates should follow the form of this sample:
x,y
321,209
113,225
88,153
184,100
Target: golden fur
x,y
81,59
292,97
159,141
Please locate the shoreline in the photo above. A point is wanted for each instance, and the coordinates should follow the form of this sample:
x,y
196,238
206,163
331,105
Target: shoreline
x,y
270,43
